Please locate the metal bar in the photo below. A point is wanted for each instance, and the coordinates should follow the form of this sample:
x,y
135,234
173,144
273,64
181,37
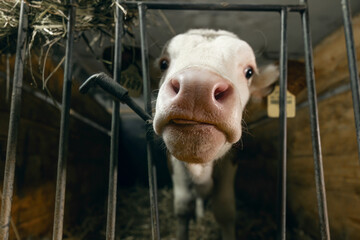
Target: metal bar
x,y
115,126
354,74
218,6
315,131
149,135
283,128
64,127
15,109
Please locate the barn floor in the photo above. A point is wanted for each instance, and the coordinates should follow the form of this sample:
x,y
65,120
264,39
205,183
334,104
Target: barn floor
x,y
133,221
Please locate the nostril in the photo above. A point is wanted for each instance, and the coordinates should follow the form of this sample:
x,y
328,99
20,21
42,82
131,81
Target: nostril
x,y
221,91
175,85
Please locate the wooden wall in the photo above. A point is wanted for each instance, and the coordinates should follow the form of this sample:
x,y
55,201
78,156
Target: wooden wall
x,y
258,166
37,153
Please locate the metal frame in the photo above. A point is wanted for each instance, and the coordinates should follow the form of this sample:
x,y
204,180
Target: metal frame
x,y
121,94
283,10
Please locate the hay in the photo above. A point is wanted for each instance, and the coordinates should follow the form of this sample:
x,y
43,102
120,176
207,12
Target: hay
x,y
133,220
134,217
47,28
48,18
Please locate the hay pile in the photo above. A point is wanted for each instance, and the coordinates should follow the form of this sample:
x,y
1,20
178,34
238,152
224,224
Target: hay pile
x,y
47,28
48,18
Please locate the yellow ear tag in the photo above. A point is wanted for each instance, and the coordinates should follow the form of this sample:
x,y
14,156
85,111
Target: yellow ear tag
x,y
273,104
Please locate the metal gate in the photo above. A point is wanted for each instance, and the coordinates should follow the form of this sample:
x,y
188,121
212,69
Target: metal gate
x,y
114,88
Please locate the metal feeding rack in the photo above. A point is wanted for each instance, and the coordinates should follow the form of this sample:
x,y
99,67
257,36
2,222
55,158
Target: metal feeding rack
x,y
112,86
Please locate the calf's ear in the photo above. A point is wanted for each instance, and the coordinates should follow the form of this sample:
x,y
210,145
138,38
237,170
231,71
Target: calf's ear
x,y
263,82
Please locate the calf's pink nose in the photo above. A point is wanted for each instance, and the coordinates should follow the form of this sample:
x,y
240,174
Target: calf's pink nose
x,y
200,88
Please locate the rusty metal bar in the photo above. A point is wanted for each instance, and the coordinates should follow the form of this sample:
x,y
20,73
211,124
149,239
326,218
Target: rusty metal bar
x,y
15,109
283,128
115,126
354,73
315,131
64,128
149,135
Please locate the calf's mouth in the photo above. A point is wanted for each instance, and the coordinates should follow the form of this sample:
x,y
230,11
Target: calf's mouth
x,y
180,121
193,141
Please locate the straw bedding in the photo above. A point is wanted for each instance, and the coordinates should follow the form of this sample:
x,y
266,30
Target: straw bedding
x,y
133,220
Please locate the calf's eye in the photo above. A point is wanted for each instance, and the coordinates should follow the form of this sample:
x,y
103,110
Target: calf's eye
x,y
164,64
249,72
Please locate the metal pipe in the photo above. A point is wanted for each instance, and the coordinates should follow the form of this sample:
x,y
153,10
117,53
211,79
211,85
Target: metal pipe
x,y
328,94
115,125
149,135
15,109
116,90
283,128
64,127
315,131
354,73
218,6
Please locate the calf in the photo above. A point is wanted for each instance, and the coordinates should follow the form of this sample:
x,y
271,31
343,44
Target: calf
x,y
207,80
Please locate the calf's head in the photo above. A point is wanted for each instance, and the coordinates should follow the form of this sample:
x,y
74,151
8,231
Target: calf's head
x,y
207,80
